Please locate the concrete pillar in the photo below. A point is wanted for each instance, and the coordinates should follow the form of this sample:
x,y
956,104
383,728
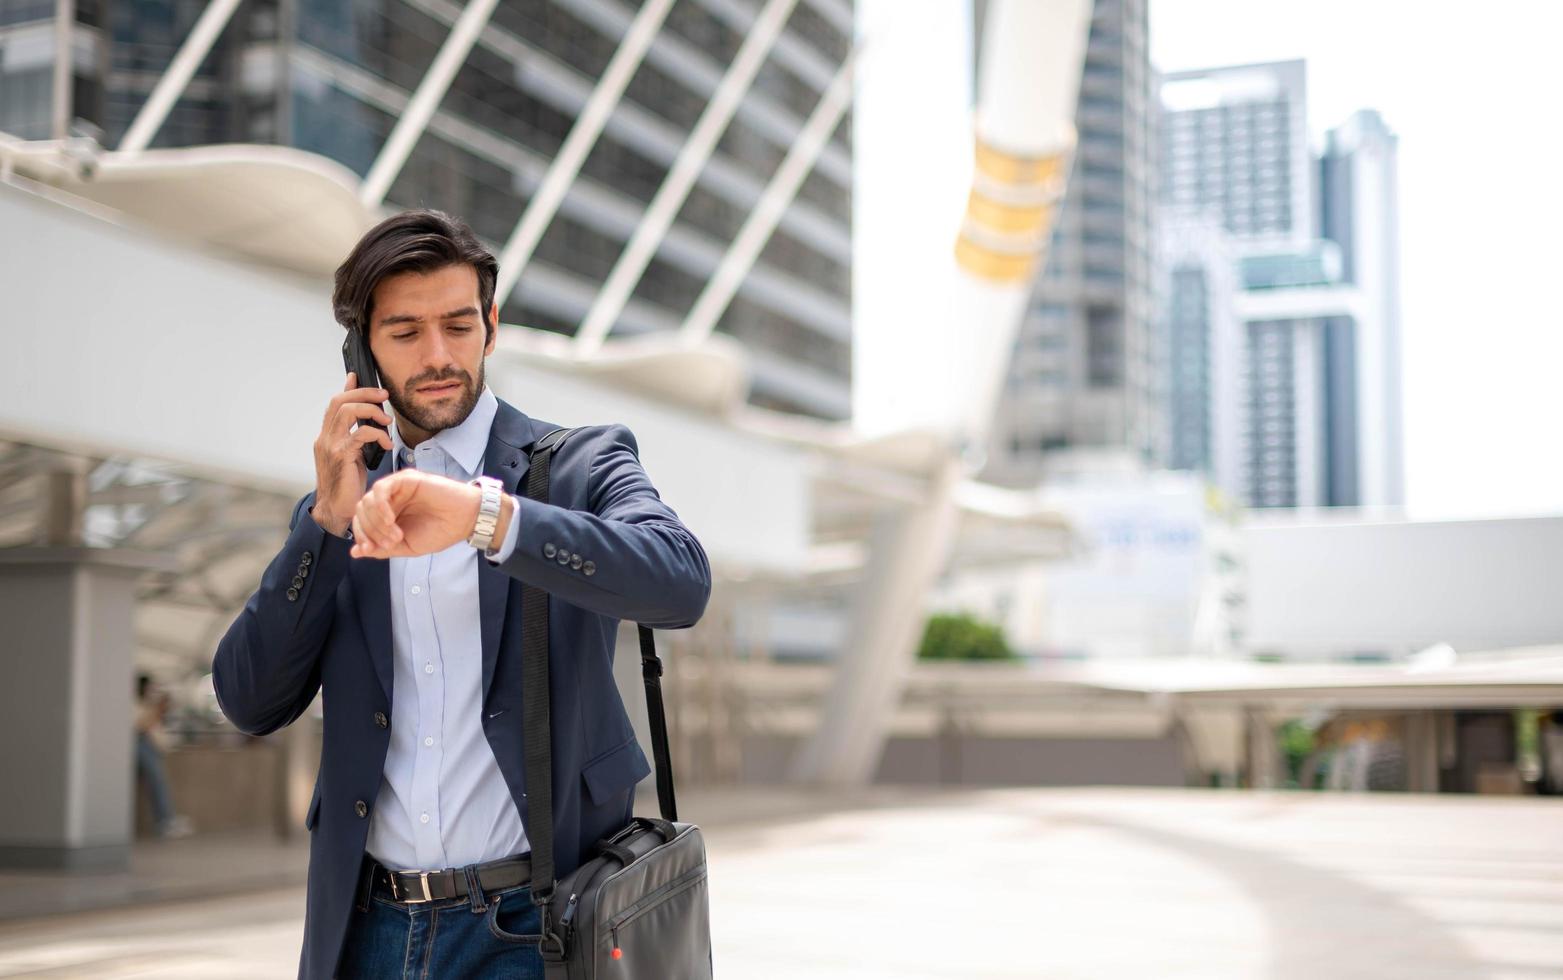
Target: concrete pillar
x,y
66,723
1421,733
1264,751
907,551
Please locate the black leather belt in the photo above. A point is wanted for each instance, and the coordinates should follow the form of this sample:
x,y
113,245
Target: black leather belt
x,y
414,887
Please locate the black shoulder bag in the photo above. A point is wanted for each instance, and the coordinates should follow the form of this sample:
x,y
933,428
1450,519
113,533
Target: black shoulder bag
x,y
639,908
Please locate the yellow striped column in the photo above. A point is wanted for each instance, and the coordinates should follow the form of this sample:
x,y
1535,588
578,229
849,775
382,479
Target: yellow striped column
x,y
1010,213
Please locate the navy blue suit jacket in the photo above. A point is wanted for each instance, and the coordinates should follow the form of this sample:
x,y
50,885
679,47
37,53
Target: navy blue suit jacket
x,y
321,621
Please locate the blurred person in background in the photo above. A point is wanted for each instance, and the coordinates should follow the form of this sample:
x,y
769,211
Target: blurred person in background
x,y
151,743
398,595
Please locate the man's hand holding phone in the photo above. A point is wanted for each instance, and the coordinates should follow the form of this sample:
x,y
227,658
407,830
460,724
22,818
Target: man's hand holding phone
x,y
340,473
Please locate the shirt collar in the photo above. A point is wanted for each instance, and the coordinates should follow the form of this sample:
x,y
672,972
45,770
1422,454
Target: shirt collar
x,y
465,443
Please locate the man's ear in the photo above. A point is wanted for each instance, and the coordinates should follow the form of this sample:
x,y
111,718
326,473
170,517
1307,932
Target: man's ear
x,y
493,328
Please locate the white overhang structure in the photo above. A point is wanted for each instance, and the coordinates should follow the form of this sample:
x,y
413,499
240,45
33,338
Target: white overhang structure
x,y
275,205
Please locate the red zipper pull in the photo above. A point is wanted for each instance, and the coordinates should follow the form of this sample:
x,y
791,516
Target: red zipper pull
x,y
617,953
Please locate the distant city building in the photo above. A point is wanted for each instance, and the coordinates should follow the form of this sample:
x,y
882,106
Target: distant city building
x,y
1234,146
1305,410
333,78
1205,352
1360,212
1084,374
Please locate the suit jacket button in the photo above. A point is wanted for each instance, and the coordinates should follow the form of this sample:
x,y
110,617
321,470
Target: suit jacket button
x,y
381,720
564,558
589,568
303,571
298,583
361,808
292,595
307,559
575,561
549,550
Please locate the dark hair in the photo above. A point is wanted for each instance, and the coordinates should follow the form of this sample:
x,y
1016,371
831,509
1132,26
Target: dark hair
x,y
143,681
422,240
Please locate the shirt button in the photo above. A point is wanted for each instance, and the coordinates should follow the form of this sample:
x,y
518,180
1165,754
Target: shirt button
x,y
428,740
380,720
361,808
428,668
416,590
423,818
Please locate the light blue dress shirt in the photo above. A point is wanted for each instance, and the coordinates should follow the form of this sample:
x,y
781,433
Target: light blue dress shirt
x,y
442,800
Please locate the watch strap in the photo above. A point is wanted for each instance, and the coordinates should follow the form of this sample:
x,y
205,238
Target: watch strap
x,y
482,536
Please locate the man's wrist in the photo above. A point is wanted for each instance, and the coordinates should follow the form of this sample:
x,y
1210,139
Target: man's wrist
x,y
507,513
329,524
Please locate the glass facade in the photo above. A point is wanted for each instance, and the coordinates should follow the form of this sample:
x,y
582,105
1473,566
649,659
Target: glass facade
x,y
1271,436
332,77
1317,265
1189,369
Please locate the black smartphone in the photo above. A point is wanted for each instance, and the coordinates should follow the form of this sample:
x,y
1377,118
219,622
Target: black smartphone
x,y
357,359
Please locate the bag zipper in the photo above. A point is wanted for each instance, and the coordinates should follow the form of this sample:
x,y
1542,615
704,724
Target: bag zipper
x,y
647,902
678,885
569,912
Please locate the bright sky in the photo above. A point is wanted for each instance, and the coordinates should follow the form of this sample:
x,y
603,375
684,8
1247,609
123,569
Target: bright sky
x,y
1472,89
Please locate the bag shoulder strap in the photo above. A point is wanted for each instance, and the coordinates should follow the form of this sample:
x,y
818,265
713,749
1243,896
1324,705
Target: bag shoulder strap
x,y
537,724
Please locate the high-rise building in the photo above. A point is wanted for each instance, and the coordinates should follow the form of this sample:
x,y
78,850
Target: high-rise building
x,y
1360,212
333,77
1084,372
1204,351
1307,410
1234,146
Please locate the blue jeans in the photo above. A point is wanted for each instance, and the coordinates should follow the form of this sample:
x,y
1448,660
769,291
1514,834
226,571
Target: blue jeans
x,y
149,760
445,940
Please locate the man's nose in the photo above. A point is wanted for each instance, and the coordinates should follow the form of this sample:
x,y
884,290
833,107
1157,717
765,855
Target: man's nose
x,y
436,352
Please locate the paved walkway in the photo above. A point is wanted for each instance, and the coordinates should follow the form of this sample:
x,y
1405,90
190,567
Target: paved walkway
x,y
1095,883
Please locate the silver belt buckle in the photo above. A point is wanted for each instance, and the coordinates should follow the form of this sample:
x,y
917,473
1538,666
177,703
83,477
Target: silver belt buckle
x,y
423,879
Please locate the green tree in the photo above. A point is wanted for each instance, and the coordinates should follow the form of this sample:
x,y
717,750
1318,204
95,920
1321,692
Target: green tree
x,y
961,636
1297,743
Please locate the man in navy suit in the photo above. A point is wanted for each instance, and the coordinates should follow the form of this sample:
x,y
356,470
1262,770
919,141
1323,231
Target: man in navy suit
x,y
398,597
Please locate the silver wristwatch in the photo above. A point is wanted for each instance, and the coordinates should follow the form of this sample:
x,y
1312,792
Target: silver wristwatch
x,y
482,536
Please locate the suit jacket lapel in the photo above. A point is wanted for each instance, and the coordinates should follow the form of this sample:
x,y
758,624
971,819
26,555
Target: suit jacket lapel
x,y
371,579
505,460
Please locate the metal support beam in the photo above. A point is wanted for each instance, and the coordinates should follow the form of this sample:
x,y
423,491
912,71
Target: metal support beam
x,y
172,85
907,552
767,213
599,106
681,177
62,90
436,82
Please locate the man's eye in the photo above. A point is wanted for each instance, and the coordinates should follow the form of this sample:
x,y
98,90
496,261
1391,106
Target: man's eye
x,y
462,328
402,336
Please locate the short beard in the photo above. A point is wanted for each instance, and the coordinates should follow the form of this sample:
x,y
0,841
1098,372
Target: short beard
x,y
438,418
